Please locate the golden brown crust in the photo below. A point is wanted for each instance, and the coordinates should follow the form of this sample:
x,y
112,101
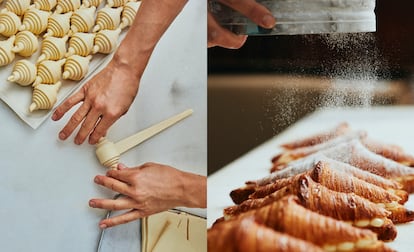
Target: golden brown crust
x,y
341,182
318,138
389,151
287,215
248,236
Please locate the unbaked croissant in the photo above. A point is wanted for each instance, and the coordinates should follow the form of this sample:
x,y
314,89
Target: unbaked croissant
x,y
53,48
128,14
24,73
64,6
89,3
289,216
116,3
58,25
106,41
9,23
107,19
35,21
26,44
248,236
6,53
76,67
44,96
83,19
18,6
49,72
46,5
81,44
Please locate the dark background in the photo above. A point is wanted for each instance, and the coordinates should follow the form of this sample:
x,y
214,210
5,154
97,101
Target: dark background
x,y
239,119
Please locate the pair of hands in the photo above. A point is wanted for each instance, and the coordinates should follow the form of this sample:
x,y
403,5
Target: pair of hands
x,y
110,93
149,189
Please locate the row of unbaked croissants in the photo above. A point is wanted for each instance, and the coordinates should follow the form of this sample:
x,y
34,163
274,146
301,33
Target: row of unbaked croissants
x,y
339,190
67,33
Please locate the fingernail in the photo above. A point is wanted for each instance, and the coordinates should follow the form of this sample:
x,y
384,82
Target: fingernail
x,y
96,180
92,203
103,226
54,117
268,21
62,136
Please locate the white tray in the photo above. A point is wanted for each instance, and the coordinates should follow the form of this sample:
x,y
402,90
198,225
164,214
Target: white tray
x,y
388,124
19,98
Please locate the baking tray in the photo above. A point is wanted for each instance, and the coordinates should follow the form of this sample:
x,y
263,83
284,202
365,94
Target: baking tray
x,y
19,98
388,124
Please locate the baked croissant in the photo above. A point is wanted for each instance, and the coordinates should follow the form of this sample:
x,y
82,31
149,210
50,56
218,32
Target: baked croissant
x,y
389,151
24,73
340,182
26,44
76,67
89,3
58,25
9,23
318,138
44,96
46,5
107,19
316,197
49,72
64,6
81,44
6,53
248,236
19,7
35,21
83,19
282,159
289,216
128,14
359,156
53,48
106,41
262,187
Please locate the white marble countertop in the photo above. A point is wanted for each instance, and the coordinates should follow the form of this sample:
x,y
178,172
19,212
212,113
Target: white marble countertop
x,y
46,183
388,124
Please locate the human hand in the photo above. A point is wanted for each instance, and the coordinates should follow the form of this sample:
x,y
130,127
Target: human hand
x,y
219,36
148,189
105,98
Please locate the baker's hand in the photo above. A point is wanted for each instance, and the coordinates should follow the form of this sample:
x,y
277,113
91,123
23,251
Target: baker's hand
x,y
104,99
149,189
219,36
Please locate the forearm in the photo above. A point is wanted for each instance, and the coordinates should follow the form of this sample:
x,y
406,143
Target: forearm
x,y
151,21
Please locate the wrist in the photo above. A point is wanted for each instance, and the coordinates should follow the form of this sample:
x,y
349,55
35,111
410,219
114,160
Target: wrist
x,y
194,193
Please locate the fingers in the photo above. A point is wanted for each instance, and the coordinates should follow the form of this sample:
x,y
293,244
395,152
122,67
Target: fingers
x,y
68,104
120,174
121,203
218,36
92,118
121,219
100,129
113,184
74,121
253,10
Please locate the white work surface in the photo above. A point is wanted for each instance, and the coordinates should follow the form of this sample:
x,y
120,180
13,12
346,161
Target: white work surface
x,y
45,183
388,124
